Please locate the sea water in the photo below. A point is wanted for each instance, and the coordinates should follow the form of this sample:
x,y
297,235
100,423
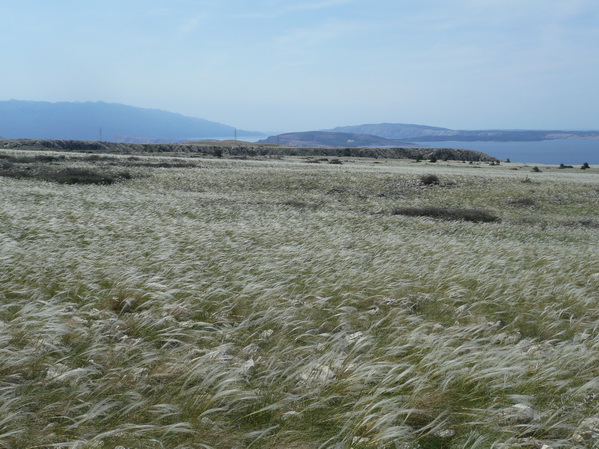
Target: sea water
x,y
566,151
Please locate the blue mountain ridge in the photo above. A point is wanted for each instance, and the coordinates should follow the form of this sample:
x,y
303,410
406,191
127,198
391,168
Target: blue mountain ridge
x,y
103,121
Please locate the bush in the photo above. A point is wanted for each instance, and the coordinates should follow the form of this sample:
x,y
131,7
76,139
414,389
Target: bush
x,y
429,180
433,159
442,213
585,166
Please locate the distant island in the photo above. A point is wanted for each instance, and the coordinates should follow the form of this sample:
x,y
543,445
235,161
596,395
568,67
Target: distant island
x,y
398,134
316,139
422,133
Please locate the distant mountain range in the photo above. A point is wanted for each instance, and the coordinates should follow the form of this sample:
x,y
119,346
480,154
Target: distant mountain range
x,y
421,133
104,121
121,123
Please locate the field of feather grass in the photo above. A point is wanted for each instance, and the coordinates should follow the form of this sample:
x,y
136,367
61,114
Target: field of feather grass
x,y
213,303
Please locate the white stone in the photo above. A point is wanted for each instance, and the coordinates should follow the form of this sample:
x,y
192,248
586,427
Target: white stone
x,y
352,338
444,433
360,440
247,366
318,373
266,333
518,414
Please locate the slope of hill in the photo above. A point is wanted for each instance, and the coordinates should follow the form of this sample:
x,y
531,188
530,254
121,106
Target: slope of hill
x,y
316,139
102,121
421,133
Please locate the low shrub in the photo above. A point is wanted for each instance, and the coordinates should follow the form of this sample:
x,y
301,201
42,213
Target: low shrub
x,y
443,213
429,180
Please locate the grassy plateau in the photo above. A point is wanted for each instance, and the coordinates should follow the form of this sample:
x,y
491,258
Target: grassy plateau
x,y
294,303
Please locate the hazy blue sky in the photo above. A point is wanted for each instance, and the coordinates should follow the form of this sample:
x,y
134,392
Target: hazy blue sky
x,y
293,65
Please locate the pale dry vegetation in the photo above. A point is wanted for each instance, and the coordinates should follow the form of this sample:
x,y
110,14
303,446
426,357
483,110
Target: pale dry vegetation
x,y
279,304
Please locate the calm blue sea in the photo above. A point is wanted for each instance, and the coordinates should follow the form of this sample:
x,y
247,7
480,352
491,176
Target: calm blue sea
x,y
570,152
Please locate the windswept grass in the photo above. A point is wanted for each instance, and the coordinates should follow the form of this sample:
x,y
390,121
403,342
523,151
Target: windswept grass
x,y
268,304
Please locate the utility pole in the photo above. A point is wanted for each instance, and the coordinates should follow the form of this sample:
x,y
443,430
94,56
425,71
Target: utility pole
x,y
100,134
235,134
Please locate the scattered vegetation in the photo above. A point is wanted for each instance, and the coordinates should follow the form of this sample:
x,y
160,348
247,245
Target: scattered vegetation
x,y
66,175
